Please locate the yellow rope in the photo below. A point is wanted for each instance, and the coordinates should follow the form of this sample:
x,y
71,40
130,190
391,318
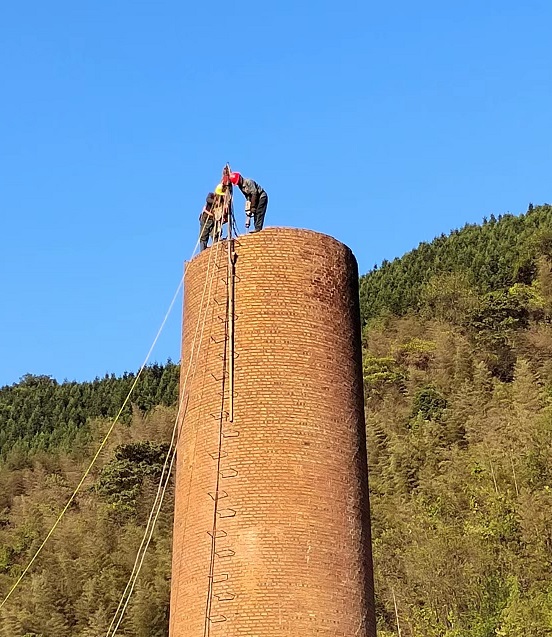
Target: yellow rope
x,y
102,444
164,480
193,454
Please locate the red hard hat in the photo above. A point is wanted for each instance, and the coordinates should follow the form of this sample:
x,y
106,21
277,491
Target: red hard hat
x,y
235,178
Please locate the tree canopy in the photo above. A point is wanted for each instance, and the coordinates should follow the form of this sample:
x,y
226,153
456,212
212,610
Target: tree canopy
x,y
457,365
38,413
490,257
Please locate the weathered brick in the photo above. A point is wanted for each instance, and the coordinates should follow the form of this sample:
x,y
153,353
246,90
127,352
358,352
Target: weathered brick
x,y
292,554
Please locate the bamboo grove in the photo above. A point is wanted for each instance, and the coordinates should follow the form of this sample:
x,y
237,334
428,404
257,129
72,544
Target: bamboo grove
x,y
457,339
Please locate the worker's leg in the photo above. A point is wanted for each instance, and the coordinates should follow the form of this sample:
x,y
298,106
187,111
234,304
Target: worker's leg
x,y
205,228
217,230
261,211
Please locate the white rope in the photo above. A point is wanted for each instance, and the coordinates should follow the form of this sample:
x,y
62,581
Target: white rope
x,y
169,459
104,441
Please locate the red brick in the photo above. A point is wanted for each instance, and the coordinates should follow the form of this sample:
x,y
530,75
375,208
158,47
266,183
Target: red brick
x,y
293,552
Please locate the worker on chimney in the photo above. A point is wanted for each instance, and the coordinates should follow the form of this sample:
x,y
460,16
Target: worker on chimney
x,y
212,217
256,199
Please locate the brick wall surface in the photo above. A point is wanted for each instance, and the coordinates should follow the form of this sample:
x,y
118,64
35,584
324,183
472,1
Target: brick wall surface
x,y
285,549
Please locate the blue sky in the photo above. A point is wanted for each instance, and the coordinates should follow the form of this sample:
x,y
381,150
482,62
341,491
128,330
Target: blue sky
x,y
381,123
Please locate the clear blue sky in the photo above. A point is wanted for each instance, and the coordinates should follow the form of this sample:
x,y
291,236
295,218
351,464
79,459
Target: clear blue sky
x,y
381,123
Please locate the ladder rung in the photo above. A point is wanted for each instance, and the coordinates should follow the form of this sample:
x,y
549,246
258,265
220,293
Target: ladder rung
x,y
217,416
225,597
217,455
221,495
226,513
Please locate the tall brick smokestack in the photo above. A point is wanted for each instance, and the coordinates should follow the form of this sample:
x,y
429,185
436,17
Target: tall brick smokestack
x,y
272,525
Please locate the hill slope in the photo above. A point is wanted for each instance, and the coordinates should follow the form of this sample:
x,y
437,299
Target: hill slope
x,y
38,413
492,256
458,389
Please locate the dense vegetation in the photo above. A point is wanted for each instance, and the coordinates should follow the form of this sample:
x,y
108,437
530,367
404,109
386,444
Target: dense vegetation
x,y
461,481
458,385
80,575
491,256
38,413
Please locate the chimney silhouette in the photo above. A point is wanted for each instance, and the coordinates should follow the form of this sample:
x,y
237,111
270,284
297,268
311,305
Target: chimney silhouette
x,y
272,522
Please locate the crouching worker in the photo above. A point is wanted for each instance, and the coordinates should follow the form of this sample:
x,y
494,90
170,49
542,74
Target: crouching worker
x,y
212,217
256,200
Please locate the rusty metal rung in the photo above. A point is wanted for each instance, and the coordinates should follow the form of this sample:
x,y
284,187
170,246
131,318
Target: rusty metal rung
x,y
217,455
217,619
228,473
222,553
226,391
224,279
221,495
226,513
219,533
217,416
225,597
217,341
231,433
218,579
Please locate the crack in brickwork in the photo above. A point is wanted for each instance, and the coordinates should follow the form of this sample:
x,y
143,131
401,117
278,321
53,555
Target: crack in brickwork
x,y
293,548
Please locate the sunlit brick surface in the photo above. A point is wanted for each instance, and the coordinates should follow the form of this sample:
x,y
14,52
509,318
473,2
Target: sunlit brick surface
x,y
291,554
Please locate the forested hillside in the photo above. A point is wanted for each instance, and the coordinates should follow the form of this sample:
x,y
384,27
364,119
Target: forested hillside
x,y
488,257
457,342
38,413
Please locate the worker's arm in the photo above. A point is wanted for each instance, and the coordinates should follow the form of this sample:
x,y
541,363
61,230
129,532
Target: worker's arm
x,y
251,192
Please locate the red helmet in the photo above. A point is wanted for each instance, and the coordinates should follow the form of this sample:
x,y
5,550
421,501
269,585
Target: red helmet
x,y
235,178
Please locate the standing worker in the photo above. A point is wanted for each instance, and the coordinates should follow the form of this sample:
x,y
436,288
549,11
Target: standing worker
x,y
256,200
213,215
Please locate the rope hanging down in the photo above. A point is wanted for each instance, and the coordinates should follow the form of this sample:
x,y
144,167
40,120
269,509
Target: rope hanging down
x,y
171,455
101,446
226,381
209,600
